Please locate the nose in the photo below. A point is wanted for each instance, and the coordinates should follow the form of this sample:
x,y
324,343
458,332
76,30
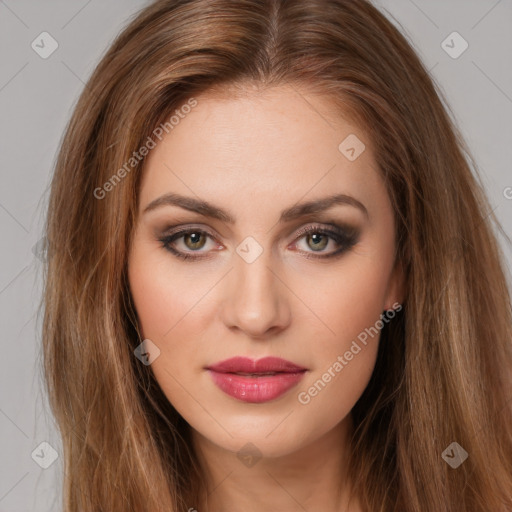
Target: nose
x,y
256,299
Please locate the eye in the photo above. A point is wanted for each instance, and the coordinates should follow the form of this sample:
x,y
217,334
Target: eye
x,y
185,242
192,240
318,238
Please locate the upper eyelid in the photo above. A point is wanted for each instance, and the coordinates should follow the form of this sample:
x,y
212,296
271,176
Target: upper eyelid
x,y
320,226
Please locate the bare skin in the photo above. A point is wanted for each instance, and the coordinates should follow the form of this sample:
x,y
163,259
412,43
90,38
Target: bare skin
x,y
254,156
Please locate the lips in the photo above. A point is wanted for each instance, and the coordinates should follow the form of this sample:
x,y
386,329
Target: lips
x,y
256,381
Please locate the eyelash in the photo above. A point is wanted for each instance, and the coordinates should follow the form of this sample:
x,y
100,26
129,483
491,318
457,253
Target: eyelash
x,y
345,237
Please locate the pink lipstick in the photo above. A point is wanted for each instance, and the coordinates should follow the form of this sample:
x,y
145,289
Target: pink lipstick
x,y
255,381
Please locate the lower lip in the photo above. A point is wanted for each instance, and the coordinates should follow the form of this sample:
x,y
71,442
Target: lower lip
x,y
255,389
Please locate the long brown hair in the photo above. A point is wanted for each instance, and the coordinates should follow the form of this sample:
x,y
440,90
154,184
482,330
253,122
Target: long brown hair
x,y
444,364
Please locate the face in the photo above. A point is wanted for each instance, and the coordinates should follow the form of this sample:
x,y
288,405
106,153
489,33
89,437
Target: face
x,y
255,287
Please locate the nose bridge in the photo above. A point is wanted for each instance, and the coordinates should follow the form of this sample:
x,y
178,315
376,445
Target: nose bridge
x,y
255,301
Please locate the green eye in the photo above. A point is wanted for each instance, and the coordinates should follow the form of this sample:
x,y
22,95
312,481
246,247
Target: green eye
x,y
316,239
320,241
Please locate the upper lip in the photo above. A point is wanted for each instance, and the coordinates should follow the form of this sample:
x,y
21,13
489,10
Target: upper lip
x,y
247,365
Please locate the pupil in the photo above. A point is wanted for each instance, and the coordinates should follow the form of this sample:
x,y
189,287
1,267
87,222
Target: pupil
x,y
318,238
194,237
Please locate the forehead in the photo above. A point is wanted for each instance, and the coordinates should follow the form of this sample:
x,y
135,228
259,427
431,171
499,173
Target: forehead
x,y
275,145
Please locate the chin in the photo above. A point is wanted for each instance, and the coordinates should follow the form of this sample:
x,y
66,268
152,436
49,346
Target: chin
x,y
269,437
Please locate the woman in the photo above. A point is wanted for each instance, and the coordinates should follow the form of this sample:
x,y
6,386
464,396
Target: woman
x,y
272,281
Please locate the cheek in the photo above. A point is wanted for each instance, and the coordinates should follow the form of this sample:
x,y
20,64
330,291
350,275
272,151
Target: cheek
x,y
167,307
352,299
346,352
162,300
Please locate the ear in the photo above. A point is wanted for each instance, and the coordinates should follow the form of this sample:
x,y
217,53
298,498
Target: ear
x,y
396,287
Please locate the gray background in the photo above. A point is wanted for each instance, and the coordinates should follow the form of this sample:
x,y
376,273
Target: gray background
x,y
36,98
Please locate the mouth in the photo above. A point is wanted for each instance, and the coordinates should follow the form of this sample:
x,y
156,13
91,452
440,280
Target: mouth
x,y
255,374
258,381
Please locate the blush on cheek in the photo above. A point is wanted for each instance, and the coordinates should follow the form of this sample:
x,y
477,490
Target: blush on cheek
x,y
159,305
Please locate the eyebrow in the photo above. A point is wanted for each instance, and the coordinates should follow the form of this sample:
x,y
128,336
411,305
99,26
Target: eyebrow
x,y
296,211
